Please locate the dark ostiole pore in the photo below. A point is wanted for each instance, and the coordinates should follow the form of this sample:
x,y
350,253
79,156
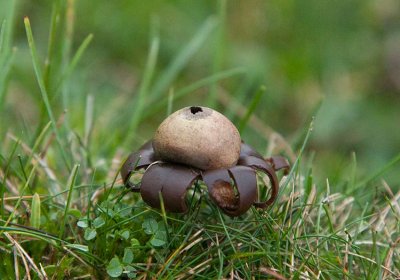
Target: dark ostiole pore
x,y
233,189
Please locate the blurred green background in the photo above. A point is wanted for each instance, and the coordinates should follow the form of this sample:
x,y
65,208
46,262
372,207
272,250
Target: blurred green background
x,y
336,60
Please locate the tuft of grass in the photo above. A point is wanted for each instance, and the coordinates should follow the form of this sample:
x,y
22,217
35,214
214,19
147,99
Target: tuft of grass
x,y
139,100
43,90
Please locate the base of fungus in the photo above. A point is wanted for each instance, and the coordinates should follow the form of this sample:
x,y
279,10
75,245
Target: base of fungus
x,y
234,190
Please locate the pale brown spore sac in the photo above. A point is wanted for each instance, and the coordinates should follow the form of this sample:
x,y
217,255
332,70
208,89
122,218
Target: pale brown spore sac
x,y
199,137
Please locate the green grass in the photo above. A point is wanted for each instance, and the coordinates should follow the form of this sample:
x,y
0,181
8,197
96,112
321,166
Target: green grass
x,y
65,214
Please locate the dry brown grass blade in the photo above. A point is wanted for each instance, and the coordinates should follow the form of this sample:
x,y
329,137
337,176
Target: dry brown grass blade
x,y
77,257
387,269
389,259
379,221
10,186
190,245
25,257
16,265
303,275
272,273
27,197
310,201
195,270
306,217
100,191
345,262
148,264
14,190
343,211
42,163
395,198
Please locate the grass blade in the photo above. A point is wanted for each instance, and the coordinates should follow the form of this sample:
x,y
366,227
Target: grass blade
x,y
2,35
89,119
5,67
376,175
6,54
293,168
182,58
49,238
139,101
55,47
194,86
43,91
250,109
170,102
35,211
76,58
219,48
71,184
38,140
5,175
7,26
22,192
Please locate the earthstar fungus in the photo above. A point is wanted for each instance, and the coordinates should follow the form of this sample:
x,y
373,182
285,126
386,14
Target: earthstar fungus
x,y
198,143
